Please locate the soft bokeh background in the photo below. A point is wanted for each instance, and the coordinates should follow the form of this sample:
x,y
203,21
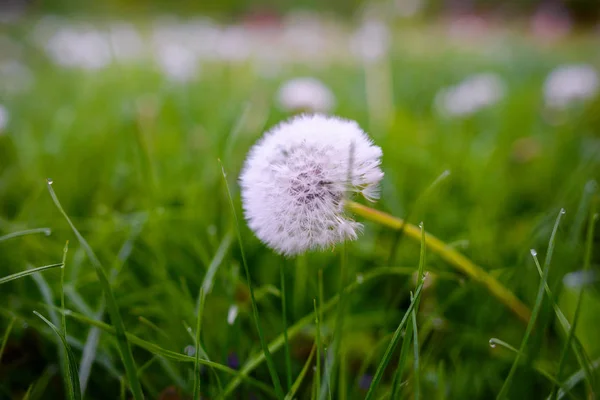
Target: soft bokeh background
x,y
128,105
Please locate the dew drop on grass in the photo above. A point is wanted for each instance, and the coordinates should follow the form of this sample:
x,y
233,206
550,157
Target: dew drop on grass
x,y
492,343
189,350
47,232
533,252
50,181
360,279
562,211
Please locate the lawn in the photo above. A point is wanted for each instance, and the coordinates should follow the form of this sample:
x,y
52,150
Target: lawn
x,y
141,162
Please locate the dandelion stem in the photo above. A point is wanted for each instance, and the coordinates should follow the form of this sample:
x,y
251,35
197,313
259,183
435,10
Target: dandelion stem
x,y
457,260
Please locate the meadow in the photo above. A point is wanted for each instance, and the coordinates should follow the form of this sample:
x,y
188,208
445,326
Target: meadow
x,y
120,172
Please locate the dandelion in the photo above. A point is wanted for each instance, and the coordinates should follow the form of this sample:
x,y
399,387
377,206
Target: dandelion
x,y
3,118
471,95
296,178
569,83
305,94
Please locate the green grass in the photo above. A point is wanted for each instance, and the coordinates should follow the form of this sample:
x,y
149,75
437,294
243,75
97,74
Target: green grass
x,y
134,163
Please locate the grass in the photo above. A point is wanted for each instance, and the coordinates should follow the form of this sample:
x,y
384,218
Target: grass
x,y
134,159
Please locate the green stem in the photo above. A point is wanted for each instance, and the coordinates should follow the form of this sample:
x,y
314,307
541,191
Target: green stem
x,y
459,261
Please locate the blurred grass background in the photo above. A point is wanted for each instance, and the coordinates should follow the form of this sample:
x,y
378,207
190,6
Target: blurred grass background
x,y
133,157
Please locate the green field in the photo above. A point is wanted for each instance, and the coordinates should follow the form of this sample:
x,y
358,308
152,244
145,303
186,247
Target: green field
x,y
134,161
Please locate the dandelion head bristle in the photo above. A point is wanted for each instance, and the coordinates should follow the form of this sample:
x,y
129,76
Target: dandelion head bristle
x,y
296,178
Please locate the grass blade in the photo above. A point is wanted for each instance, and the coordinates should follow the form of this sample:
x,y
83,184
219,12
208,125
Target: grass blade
x,y
536,309
45,231
197,346
286,343
317,375
389,351
207,283
450,255
297,328
301,376
113,309
164,353
28,272
574,379
571,332
417,379
73,387
6,335
263,344
67,368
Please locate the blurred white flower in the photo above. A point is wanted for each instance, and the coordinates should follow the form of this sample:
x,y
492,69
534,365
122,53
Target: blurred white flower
x,y
305,94
80,47
232,314
580,279
471,95
3,118
295,180
125,41
177,62
371,41
233,44
569,83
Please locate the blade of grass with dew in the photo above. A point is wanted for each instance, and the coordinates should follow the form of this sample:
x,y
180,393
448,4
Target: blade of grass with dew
x,y
263,344
536,309
301,376
574,379
45,231
113,308
409,329
450,255
586,266
6,335
389,351
286,343
578,349
296,329
73,383
159,351
28,272
498,342
317,374
196,394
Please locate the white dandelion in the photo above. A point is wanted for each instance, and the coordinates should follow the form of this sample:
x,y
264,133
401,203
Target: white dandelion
x,y
569,83
305,94
295,180
471,95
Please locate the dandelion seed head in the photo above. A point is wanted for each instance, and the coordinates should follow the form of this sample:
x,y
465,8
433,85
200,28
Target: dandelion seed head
x,y
295,180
